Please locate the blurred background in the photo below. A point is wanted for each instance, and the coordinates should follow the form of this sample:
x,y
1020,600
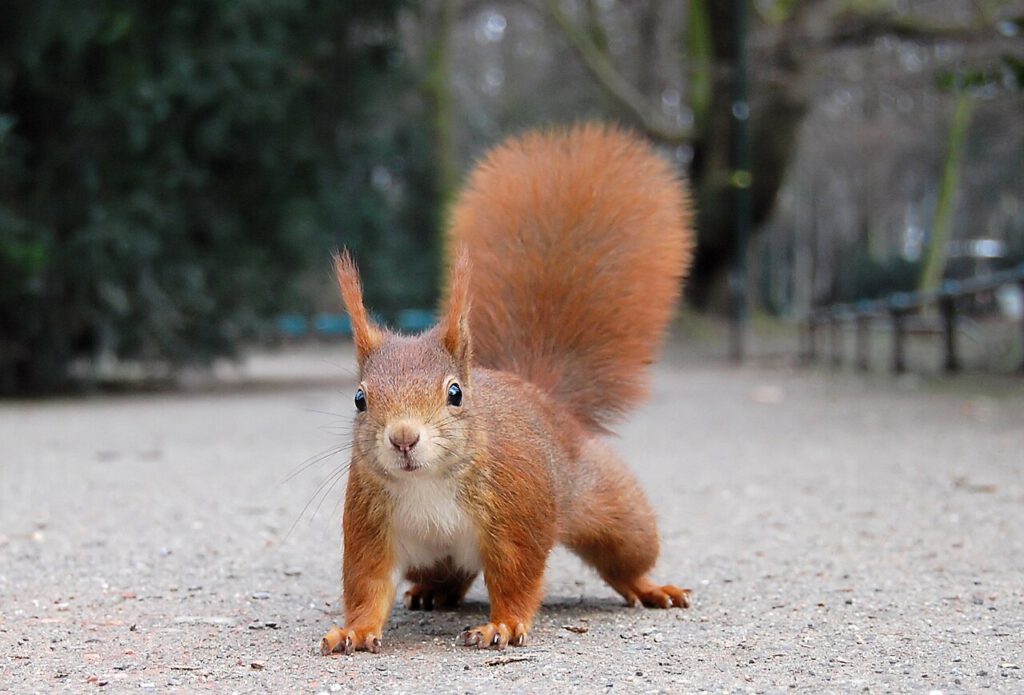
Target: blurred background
x,y
173,176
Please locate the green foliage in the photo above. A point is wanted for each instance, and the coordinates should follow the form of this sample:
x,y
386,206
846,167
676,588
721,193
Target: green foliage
x,y
776,11
1005,75
874,278
700,54
168,169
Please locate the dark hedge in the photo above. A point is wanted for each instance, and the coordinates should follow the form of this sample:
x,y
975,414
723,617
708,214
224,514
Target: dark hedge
x,y
168,171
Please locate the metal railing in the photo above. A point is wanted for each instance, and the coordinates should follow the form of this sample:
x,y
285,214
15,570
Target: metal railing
x,y
897,308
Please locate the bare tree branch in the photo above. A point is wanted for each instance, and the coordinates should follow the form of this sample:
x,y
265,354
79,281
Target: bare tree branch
x,y
618,87
865,27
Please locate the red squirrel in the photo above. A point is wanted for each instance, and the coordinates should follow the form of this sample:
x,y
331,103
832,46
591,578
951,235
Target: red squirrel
x,y
480,443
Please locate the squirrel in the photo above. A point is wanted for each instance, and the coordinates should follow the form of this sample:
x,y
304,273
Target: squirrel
x,y
480,443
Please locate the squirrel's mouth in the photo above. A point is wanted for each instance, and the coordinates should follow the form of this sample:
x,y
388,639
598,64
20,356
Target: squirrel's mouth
x,y
406,463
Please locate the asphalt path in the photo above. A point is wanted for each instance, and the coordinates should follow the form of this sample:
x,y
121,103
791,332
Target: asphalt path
x,y
840,535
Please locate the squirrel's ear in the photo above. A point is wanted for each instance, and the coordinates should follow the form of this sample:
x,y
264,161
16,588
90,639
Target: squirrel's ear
x,y
368,336
455,323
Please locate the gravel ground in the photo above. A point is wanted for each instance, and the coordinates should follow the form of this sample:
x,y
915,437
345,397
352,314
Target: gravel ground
x,y
839,535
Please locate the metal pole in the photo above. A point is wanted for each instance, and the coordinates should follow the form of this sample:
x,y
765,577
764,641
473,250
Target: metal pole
x,y
1022,326
803,352
835,341
812,340
741,181
899,362
947,306
863,346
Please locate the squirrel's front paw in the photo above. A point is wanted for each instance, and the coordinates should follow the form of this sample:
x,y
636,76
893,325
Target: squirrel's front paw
x,y
494,636
346,640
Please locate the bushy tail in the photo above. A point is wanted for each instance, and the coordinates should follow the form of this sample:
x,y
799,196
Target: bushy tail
x,y
579,240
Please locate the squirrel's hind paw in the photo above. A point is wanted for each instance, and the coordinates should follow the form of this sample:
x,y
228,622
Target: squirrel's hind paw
x,y
646,592
420,597
664,597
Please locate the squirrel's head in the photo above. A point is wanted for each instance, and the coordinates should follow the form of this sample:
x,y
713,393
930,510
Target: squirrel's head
x,y
414,396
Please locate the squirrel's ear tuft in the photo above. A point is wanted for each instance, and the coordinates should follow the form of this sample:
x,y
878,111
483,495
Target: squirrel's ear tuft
x,y
368,336
455,322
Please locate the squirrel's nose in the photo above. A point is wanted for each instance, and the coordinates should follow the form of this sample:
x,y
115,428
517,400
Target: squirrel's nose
x,y
404,438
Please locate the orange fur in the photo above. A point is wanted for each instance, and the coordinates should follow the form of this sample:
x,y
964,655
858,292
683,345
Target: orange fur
x,y
578,241
367,336
369,589
455,325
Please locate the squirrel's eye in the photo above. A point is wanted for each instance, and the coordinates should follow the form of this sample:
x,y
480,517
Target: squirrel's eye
x,y
360,401
454,395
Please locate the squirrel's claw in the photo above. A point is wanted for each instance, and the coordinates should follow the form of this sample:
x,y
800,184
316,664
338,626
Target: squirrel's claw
x,y
417,599
647,593
493,636
663,597
346,641
423,598
680,597
469,637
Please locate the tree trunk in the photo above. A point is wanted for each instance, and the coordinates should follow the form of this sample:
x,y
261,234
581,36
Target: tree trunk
x,y
438,90
776,114
937,253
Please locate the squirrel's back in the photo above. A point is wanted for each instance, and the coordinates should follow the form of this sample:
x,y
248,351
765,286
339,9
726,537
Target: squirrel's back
x,y
579,240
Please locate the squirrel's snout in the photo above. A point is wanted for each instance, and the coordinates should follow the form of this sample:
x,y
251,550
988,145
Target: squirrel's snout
x,y
403,437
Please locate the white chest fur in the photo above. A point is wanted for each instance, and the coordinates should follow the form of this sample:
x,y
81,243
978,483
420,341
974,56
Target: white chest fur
x,y
429,525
